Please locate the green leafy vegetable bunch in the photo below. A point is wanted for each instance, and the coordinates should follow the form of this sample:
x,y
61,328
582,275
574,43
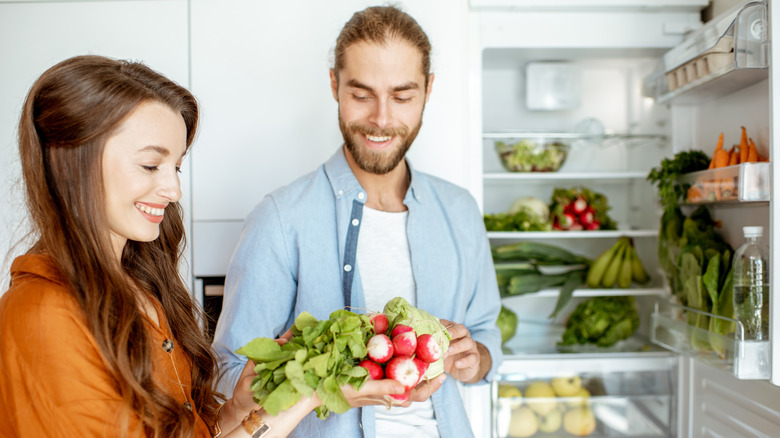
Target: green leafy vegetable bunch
x,y
665,176
321,356
602,321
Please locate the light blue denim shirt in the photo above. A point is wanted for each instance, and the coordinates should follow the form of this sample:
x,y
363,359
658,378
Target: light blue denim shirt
x,y
290,260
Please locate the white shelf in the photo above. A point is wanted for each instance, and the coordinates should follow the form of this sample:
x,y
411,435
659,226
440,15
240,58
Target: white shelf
x,y
562,176
606,234
636,292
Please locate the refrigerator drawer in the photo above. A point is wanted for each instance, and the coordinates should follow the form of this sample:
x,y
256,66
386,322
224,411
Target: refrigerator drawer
x,y
637,399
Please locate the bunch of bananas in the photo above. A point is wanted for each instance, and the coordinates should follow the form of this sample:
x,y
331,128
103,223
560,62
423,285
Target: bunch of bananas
x,y
617,266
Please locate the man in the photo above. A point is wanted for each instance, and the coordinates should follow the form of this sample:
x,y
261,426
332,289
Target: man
x,y
365,228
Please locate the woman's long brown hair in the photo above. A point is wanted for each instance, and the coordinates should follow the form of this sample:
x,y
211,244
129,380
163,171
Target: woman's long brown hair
x,y
69,113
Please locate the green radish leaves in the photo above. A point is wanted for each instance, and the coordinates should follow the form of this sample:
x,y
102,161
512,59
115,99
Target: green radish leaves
x,y
321,355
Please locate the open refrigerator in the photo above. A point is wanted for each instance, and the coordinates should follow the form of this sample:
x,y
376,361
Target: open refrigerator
x,y
623,85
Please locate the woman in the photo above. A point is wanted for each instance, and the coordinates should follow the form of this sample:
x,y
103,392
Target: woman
x,y
98,334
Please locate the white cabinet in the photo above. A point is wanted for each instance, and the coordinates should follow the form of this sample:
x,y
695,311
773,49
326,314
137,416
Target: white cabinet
x,y
36,35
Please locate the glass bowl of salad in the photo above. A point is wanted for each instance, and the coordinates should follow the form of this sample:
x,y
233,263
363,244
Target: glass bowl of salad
x,y
532,154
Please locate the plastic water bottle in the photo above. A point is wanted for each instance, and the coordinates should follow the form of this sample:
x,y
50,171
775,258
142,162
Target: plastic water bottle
x,y
751,285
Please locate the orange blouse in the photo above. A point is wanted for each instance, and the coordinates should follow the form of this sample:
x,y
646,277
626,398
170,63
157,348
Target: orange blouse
x,y
53,381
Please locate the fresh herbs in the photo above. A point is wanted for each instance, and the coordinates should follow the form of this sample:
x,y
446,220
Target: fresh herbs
x,y
665,176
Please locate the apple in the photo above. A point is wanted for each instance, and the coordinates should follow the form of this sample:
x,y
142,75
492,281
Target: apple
x,y
579,421
566,386
523,423
551,422
540,397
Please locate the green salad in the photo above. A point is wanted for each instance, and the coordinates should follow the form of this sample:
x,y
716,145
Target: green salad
x,y
529,156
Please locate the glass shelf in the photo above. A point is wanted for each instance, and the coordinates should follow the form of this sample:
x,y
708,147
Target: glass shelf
x,y
606,137
562,176
744,359
588,292
599,234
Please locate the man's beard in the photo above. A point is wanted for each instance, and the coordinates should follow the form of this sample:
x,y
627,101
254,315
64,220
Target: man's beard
x,y
371,161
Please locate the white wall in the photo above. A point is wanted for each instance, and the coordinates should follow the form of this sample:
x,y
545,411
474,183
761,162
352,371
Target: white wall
x,y
37,35
260,72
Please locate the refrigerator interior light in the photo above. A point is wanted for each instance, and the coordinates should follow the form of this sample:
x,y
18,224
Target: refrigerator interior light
x,y
552,86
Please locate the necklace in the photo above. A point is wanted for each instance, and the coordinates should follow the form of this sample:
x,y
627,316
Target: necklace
x,y
167,346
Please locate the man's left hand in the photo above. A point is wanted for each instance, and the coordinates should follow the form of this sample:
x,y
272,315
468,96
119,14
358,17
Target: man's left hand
x,y
466,360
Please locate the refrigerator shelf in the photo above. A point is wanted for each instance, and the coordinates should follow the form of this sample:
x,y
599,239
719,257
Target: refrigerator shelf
x,y
563,176
587,292
598,234
674,327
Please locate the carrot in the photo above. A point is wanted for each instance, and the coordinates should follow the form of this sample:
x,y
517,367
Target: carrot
x,y
694,194
733,157
752,152
721,158
718,147
743,146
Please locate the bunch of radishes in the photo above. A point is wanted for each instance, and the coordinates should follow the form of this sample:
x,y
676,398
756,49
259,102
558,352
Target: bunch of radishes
x,y
577,215
578,209
402,356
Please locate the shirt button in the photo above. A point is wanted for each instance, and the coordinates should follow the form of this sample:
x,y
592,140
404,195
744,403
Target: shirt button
x,y
361,195
167,345
341,192
347,268
355,222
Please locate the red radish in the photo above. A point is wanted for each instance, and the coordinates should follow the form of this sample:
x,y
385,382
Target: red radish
x,y
586,218
576,227
404,396
400,328
422,366
380,348
579,205
374,369
380,323
568,221
404,370
428,350
595,225
405,344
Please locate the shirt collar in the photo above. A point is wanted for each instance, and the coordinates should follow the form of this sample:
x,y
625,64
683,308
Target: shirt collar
x,y
343,181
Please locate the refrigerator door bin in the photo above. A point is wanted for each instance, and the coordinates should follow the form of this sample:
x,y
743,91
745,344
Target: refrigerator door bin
x,y
584,396
725,55
687,331
746,182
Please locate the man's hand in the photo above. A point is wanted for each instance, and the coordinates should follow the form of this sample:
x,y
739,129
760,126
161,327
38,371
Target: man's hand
x,y
466,360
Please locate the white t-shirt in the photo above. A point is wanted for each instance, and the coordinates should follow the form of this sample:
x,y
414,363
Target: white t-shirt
x,y
385,267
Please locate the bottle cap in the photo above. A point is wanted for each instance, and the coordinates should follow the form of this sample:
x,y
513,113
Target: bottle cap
x,y
753,231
